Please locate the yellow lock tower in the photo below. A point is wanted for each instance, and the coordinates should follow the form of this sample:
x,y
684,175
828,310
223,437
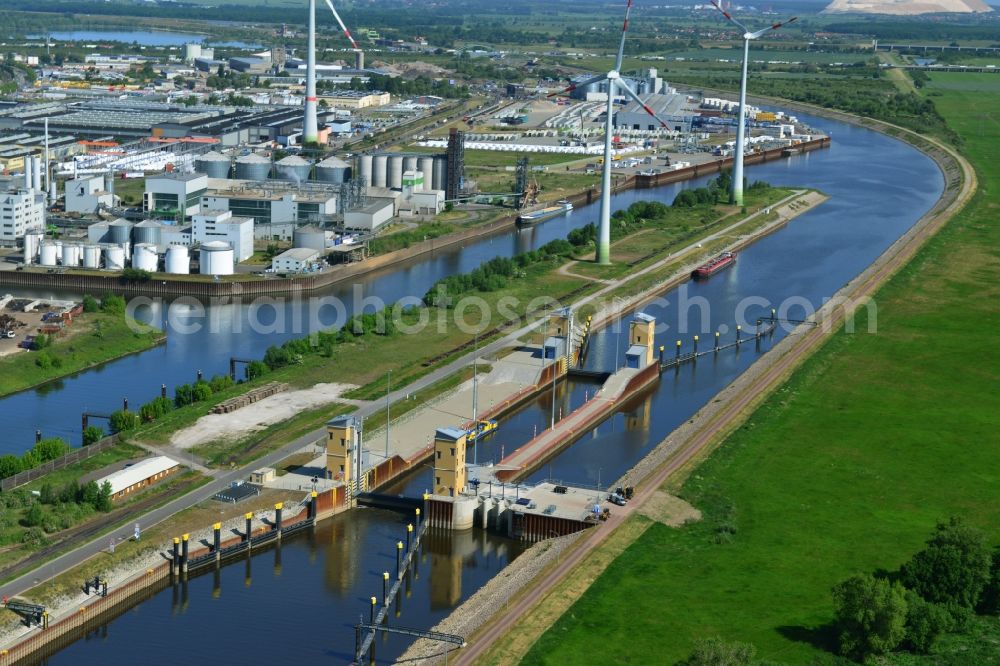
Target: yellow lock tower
x,y
449,461
640,340
343,442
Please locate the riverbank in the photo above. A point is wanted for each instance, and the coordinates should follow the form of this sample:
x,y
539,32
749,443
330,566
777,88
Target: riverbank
x,y
677,454
95,338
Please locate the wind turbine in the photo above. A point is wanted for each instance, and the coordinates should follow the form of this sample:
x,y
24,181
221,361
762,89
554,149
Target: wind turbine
x,y
347,33
310,125
737,191
614,81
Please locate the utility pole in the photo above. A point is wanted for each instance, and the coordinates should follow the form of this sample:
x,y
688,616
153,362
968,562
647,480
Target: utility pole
x,y
388,380
475,399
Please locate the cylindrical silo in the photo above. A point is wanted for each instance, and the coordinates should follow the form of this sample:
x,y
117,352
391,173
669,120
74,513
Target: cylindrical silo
x,y
292,168
380,170
36,179
252,167
48,253
427,166
410,163
144,257
114,257
147,231
365,167
395,176
216,258
310,237
334,170
177,260
70,254
213,165
91,256
32,242
120,231
440,172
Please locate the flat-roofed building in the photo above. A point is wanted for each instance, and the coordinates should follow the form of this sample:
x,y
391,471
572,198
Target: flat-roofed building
x,y
175,194
295,260
137,476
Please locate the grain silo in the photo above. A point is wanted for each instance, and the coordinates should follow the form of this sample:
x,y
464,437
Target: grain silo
x,y
293,168
147,231
335,170
91,256
427,166
144,257
380,170
252,167
440,179
395,177
365,168
213,165
410,163
177,260
216,258
120,231
311,237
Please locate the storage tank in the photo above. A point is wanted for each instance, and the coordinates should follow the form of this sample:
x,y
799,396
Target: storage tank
x,y
427,166
114,257
252,167
293,168
310,237
410,163
380,168
32,241
91,256
335,170
48,253
120,231
144,257
147,231
365,168
216,258
213,165
440,178
70,255
395,176
177,260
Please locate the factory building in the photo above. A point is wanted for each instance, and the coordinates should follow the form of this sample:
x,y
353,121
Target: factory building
x,y
139,475
86,194
250,65
352,99
371,217
21,211
175,195
268,204
674,109
647,82
220,225
295,260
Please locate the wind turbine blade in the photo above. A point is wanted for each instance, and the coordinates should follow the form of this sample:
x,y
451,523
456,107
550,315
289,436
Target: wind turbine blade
x,y
621,45
582,84
729,17
342,26
764,31
638,100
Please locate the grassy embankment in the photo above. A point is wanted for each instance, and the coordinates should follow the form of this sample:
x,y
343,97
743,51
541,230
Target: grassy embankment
x,y
94,338
406,355
845,469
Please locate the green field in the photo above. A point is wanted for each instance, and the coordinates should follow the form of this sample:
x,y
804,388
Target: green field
x,y
845,469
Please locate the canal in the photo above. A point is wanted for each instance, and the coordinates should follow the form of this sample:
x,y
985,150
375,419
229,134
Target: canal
x,y
879,187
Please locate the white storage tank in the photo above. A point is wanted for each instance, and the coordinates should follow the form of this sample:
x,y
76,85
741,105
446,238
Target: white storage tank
x,y
293,168
48,253
311,237
91,256
32,242
252,167
114,258
213,165
216,258
365,168
144,257
395,172
427,166
120,231
70,255
335,170
177,260
380,169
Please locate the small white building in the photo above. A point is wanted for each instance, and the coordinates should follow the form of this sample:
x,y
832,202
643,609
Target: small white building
x,y
371,217
295,260
220,225
21,211
138,475
172,194
86,194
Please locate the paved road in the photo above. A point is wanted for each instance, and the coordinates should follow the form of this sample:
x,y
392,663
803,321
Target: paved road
x,y
223,479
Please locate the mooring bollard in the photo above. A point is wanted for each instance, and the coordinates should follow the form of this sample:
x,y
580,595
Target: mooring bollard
x,y
249,518
661,354
399,558
217,538
277,518
163,390
125,404
409,531
677,355
418,515
716,341
739,329
696,346
385,588
372,620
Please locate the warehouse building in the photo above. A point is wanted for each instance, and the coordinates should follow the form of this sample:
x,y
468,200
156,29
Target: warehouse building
x,y
272,203
371,217
295,260
674,109
139,475
173,195
220,225
86,194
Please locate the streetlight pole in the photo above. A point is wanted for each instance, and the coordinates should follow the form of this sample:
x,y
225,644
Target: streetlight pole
x,y
475,399
388,380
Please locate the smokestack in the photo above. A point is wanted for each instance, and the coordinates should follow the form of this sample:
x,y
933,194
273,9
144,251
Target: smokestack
x,y
36,179
359,59
48,172
310,127
53,194
29,169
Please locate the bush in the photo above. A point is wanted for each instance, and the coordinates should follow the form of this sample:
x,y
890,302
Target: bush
x,y
155,408
717,652
256,369
183,395
124,420
925,622
870,615
220,383
90,304
113,304
34,516
41,342
92,435
50,449
954,568
201,391
9,465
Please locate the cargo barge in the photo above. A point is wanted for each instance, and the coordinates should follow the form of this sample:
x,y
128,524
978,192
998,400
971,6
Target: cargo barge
x,y
528,219
712,267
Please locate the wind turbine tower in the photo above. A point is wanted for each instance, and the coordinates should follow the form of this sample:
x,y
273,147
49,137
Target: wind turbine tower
x,y
736,196
310,127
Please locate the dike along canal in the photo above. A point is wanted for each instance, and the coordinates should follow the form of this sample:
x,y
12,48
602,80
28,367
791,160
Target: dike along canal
x,y
302,605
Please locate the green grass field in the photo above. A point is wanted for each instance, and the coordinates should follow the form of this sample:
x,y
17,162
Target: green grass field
x,y
845,469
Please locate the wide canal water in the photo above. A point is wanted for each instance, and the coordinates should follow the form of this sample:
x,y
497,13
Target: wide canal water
x,y
879,187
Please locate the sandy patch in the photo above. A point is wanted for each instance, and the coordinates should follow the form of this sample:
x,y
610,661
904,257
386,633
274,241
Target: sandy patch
x,y
256,416
669,510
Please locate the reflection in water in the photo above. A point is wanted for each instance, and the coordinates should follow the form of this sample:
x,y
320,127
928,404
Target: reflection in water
x,y
340,566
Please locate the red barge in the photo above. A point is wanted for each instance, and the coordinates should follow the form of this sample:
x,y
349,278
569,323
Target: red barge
x,y
712,267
